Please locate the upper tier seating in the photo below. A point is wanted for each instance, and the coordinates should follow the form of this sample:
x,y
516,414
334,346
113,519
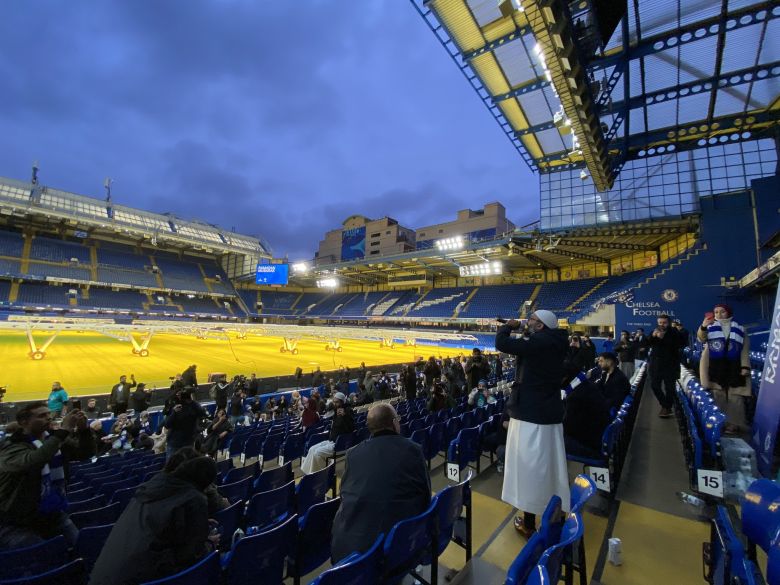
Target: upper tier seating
x,y
11,244
58,271
5,289
122,259
10,267
131,277
200,305
440,302
58,250
557,296
103,298
181,275
502,300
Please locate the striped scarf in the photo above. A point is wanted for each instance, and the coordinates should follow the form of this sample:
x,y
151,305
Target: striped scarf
x,y
722,347
580,378
53,498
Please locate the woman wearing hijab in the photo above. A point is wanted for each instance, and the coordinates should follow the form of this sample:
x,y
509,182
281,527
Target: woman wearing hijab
x,y
725,364
163,530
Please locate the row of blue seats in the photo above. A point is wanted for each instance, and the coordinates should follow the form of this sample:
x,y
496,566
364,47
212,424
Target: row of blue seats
x,y
726,560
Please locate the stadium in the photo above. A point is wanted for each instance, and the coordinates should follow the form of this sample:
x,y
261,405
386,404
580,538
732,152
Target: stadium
x,y
652,129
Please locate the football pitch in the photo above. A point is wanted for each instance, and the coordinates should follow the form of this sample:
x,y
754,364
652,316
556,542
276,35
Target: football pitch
x,y
89,363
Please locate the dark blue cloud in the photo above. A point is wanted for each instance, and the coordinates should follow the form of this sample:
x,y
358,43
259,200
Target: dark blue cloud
x,y
277,118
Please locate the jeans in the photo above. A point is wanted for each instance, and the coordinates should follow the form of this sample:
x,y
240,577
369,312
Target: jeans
x,y
22,536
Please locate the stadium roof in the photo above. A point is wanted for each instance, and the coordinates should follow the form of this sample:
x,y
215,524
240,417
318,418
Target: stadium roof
x,y
675,75
518,251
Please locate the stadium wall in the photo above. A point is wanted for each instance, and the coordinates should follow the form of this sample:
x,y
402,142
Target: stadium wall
x,y
728,232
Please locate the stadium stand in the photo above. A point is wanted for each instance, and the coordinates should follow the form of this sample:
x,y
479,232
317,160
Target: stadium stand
x,y
38,293
275,303
5,289
181,275
439,302
122,258
102,298
11,243
559,296
10,267
501,300
360,304
70,272
44,248
111,275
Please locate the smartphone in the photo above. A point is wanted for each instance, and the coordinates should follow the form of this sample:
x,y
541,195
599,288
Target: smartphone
x,y
709,315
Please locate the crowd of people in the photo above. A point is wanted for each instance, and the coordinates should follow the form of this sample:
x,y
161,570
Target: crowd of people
x,y
563,396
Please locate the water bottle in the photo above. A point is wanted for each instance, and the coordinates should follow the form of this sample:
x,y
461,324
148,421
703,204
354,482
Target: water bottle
x,y
237,535
691,499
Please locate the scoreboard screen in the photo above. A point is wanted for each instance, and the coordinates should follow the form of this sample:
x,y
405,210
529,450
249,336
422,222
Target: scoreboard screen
x,y
272,274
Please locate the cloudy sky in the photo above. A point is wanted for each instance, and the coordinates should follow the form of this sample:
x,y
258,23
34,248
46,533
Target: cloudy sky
x,y
276,118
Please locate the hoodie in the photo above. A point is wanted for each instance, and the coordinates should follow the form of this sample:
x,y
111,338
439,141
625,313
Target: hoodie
x,y
162,531
536,393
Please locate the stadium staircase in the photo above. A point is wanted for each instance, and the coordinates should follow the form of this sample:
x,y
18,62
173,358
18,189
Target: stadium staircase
x,y
576,303
463,304
413,305
93,261
25,266
295,302
384,305
692,252
157,275
531,300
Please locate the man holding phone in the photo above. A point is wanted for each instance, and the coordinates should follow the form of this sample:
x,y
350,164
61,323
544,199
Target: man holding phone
x,y
665,343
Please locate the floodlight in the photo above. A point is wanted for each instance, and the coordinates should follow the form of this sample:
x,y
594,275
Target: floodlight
x,y
453,243
484,269
301,267
327,283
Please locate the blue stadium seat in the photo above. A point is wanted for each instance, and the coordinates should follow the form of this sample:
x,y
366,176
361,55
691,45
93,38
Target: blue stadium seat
x,y
35,559
548,534
292,448
313,487
314,535
259,559
407,544
229,520
123,496
92,503
582,490
271,479
355,569
761,514
237,491
465,448
73,573
271,507
559,554
204,572
90,542
724,555
98,517
235,474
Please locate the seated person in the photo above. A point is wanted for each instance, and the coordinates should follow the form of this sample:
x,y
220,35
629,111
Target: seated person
x,y
587,413
480,396
613,384
164,529
385,480
343,423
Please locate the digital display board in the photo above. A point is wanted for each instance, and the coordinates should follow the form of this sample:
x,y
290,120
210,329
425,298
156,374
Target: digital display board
x,y
272,274
353,243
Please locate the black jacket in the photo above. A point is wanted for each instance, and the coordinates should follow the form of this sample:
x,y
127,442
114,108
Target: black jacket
x,y
122,396
182,424
476,370
642,344
614,388
189,378
587,415
20,478
580,356
162,531
665,359
536,393
139,401
432,372
221,391
385,480
342,424
626,351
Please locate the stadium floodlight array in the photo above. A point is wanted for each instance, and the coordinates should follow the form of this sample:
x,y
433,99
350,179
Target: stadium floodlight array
x,y
301,267
327,283
485,269
454,243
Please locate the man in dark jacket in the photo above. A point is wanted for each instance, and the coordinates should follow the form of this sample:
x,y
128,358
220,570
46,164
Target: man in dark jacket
x,y
477,368
220,392
587,414
432,372
409,378
665,364
120,395
32,479
182,423
252,385
189,377
642,344
613,384
343,423
164,529
535,452
141,398
385,480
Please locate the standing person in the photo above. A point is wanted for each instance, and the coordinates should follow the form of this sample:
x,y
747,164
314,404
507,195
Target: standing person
x,y
189,377
587,413
317,378
613,384
577,354
608,345
440,400
252,385
642,344
664,364
477,368
237,406
176,384
535,450
385,481
91,410
724,368
32,479
120,395
432,372
182,423
58,399
409,377
590,352
218,429
220,392
626,352
141,398
499,368
343,423
163,530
